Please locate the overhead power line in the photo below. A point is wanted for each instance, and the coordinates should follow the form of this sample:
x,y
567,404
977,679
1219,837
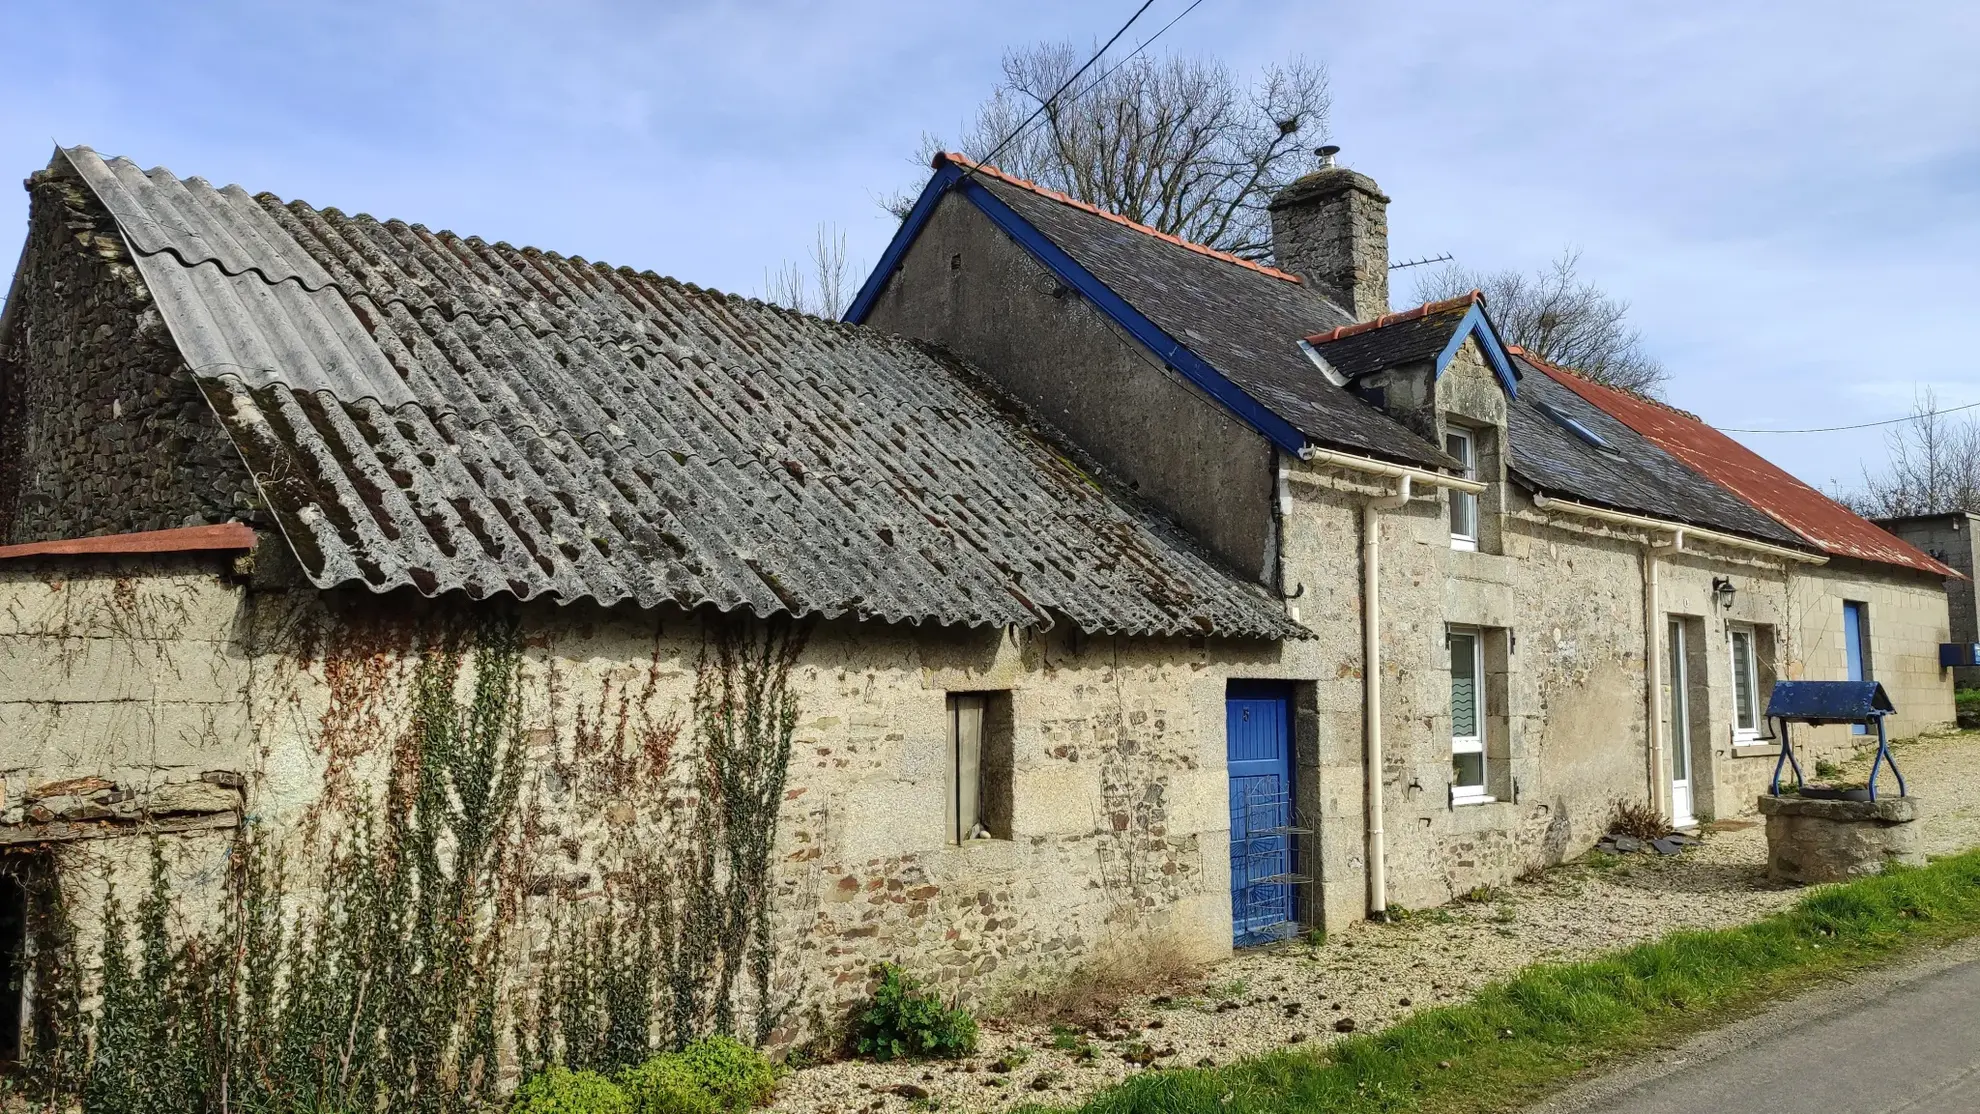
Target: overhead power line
x,y
1859,425
990,159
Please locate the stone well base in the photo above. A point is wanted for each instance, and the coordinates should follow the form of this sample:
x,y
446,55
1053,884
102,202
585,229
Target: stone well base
x,y
1834,841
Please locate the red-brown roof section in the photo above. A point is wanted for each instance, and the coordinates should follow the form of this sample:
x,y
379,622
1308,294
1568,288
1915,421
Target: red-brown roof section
x,y
185,539
1462,301
1827,524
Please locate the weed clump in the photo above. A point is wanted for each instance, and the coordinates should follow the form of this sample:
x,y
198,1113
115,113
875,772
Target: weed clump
x,y
559,1090
1640,821
904,1020
712,1075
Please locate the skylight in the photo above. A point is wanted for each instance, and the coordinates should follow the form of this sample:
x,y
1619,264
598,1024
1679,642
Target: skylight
x,y
1573,425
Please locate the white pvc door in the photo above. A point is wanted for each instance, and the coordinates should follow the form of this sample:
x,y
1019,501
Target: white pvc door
x,y
1680,733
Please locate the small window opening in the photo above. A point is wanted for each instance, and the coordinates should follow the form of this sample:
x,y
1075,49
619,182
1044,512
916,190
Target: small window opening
x,y
13,965
980,767
1468,714
1464,504
1746,683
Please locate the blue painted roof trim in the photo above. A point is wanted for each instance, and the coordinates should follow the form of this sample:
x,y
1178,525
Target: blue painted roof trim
x,y
1170,350
904,237
1476,324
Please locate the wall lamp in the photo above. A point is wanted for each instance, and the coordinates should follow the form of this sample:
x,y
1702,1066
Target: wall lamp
x,y
1723,590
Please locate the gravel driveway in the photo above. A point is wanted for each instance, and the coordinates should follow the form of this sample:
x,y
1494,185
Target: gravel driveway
x,y
1375,974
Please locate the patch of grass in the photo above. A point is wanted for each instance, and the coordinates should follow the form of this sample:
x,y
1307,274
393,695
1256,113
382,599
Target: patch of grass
x,y
1232,990
1966,705
1519,1039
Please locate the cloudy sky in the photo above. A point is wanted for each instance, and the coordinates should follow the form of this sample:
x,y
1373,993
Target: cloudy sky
x,y
1788,195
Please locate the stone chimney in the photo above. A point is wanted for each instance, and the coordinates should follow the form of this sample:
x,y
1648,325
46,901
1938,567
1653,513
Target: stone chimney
x,y
1331,228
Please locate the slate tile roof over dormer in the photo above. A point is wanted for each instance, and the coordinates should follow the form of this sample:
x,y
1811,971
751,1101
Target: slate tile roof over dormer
x,y
1243,320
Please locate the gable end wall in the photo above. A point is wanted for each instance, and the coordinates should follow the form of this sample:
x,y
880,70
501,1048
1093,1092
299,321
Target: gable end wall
x,y
102,430
964,284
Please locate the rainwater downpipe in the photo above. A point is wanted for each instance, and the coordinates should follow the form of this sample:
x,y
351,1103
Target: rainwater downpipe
x,y
1371,632
1371,697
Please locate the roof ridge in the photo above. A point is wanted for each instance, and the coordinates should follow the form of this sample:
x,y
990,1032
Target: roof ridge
x,y
1583,376
1426,309
968,163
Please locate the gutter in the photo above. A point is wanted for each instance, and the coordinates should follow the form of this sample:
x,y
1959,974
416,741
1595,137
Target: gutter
x,y
1371,639
1657,525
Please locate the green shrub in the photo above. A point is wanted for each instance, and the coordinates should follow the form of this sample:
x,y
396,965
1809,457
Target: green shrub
x,y
1966,703
559,1090
905,1020
712,1075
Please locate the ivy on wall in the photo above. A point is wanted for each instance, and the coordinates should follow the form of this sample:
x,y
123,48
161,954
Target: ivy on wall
x,y
435,953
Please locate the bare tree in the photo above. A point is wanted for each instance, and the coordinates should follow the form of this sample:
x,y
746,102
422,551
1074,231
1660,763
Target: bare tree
x,y
826,290
1176,143
1559,317
1934,465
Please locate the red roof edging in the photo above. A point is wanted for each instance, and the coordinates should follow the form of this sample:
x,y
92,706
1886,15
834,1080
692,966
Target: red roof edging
x,y
970,164
1827,524
1462,301
185,539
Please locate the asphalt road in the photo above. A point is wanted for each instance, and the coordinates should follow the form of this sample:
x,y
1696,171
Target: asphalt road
x,y
1902,1041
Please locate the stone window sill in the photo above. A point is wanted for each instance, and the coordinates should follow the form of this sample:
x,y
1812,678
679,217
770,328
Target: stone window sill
x,y
1460,802
1755,749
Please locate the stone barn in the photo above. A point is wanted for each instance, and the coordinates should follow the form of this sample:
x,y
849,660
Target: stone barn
x,y
518,658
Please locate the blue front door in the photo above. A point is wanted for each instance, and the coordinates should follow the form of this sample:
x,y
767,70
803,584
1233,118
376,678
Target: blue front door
x,y
1258,731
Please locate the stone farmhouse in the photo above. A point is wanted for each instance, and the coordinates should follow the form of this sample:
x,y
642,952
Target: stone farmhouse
x,y
1086,589
1487,550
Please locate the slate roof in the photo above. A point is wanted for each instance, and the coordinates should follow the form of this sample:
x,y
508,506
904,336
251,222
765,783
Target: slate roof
x,y
1242,319
1813,516
1396,338
1634,476
424,410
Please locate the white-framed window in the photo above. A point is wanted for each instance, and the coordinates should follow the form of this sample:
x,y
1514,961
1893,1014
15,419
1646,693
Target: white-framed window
x,y
1746,681
1468,714
1464,505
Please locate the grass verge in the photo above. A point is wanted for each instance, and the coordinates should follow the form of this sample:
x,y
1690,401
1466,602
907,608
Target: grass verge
x,y
1519,1040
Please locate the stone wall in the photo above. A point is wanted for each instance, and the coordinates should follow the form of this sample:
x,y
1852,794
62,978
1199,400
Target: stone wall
x,y
154,674
101,428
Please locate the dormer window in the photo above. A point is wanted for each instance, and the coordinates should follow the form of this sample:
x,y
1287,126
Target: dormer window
x,y
1464,504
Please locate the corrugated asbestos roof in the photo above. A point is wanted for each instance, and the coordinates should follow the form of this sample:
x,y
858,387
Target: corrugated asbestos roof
x,y
425,410
1820,520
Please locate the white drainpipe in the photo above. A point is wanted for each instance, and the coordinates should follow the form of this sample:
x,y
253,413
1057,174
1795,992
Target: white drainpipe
x,y
1371,633
1371,682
